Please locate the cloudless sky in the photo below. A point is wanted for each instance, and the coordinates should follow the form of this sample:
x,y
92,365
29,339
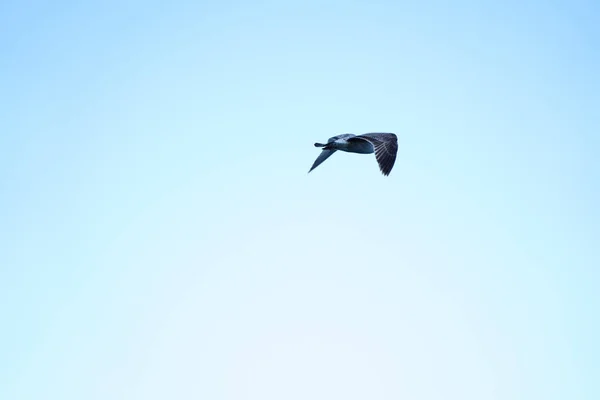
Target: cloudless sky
x,y
160,236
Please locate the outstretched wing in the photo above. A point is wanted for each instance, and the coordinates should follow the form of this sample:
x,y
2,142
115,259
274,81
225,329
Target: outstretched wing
x,y
326,153
385,146
322,157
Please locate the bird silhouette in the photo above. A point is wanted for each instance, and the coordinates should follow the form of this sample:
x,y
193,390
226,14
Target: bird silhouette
x,y
384,145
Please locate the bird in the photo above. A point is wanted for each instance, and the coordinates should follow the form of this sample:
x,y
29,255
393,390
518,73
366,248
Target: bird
x,y
384,145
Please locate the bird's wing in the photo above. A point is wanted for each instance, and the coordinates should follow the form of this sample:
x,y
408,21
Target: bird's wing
x,y
322,157
385,146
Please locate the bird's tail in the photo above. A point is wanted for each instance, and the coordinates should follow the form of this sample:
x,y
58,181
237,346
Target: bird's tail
x,y
328,146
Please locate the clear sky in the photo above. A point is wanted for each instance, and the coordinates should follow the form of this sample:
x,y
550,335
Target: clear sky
x,y
160,237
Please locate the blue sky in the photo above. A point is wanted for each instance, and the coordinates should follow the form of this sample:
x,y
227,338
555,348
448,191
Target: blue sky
x,y
160,236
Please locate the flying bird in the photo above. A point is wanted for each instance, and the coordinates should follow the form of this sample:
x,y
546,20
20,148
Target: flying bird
x,y
384,145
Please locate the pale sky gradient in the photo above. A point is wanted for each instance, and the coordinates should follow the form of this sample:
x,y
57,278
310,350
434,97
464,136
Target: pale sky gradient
x,y
160,237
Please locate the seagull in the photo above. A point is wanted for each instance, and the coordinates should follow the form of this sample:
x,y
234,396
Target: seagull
x,y
384,145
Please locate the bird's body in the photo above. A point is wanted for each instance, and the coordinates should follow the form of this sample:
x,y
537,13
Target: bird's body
x,y
384,145
349,146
